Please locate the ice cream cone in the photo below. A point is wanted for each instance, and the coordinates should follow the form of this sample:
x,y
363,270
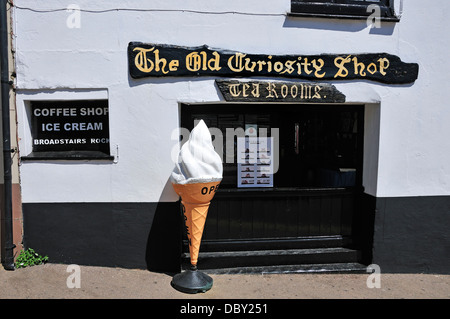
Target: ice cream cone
x,y
195,199
195,178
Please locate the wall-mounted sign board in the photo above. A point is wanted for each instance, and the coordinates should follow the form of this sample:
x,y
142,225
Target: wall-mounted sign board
x,y
69,127
271,91
155,60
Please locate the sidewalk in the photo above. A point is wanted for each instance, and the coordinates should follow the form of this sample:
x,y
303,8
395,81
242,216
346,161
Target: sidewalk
x,y
50,282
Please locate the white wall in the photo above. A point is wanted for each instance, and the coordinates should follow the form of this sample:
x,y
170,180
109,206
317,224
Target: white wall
x,y
406,126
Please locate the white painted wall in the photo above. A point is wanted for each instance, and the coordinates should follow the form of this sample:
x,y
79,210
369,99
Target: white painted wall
x,y
407,131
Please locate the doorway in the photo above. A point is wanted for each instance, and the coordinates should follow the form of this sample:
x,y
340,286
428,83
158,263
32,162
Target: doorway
x,y
317,184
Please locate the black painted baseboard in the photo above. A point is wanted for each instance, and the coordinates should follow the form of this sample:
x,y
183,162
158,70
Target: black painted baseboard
x,y
401,235
411,234
129,235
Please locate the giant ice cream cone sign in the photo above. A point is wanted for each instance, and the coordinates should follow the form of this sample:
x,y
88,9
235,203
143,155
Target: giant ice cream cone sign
x,y
195,179
195,199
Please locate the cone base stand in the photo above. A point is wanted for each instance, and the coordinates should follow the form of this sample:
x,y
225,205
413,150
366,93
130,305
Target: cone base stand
x,y
192,282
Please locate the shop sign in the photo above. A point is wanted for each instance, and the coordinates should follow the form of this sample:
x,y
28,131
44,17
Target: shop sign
x,y
270,91
154,60
81,125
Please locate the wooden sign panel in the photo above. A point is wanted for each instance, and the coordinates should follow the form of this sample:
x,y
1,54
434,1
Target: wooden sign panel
x,y
154,60
271,91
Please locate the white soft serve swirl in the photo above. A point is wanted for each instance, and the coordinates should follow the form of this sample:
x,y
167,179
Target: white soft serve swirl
x,y
198,162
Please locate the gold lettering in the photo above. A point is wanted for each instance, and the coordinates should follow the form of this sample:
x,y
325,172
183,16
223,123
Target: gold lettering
x,y
306,65
234,90
359,66
339,62
141,62
238,65
284,90
384,64
271,89
317,89
255,91
306,91
269,64
203,58
278,66
145,64
299,66
294,92
318,68
173,65
247,65
372,68
289,69
158,61
214,63
193,61
260,65
244,89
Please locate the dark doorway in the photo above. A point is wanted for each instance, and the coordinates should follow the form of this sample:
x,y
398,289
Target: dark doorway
x,y
316,187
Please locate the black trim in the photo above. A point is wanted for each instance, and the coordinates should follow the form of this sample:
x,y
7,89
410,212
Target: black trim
x,y
404,234
342,9
411,234
128,235
70,155
339,16
6,223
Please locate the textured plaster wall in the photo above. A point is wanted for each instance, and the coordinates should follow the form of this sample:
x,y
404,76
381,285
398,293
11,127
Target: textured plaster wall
x,y
407,150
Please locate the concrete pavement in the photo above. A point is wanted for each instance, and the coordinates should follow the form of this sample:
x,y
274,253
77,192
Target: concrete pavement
x,y
55,281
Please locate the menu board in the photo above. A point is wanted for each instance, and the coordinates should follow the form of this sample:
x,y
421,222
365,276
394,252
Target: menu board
x,y
255,161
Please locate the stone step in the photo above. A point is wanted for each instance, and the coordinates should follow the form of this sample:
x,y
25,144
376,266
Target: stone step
x,y
264,258
335,268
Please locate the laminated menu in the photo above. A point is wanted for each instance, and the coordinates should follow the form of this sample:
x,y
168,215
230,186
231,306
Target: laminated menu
x,y
255,162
